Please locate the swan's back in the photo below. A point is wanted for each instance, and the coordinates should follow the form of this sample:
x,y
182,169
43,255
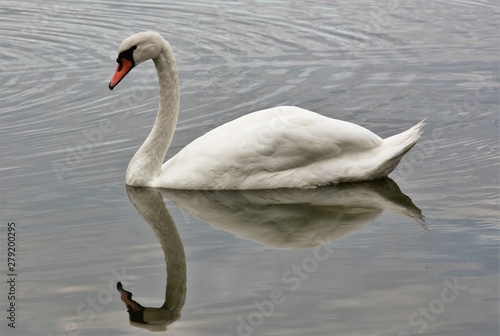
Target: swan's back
x,y
280,147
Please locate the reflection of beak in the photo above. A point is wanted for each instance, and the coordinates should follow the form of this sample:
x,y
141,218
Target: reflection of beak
x,y
122,69
132,305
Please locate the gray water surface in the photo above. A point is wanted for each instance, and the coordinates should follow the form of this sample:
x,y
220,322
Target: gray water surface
x,y
417,254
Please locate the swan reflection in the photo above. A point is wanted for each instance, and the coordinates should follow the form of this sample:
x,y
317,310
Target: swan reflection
x,y
296,218
286,218
149,204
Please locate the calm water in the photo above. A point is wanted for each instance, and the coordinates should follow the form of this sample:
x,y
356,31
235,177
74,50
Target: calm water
x,y
347,260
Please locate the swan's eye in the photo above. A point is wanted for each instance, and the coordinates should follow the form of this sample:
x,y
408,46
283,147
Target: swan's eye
x,y
126,54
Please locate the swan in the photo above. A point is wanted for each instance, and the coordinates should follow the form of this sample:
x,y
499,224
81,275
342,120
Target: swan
x,y
280,147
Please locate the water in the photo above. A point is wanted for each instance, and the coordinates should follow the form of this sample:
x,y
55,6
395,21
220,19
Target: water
x,y
249,263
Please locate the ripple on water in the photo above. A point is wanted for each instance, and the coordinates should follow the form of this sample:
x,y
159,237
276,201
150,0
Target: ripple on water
x,y
383,65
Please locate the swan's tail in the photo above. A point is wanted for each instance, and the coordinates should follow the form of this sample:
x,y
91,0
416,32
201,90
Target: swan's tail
x,y
398,145
407,139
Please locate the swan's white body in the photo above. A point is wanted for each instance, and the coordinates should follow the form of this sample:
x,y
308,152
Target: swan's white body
x,y
279,147
283,147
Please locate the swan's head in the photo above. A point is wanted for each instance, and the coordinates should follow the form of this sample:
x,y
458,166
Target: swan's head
x,y
134,50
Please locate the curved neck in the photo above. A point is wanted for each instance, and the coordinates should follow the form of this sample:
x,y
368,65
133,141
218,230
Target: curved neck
x,y
145,166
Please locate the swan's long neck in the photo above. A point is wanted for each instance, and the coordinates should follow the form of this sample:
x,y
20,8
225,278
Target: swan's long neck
x,y
145,166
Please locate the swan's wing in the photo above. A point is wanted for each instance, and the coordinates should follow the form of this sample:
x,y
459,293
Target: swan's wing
x,y
276,139
283,138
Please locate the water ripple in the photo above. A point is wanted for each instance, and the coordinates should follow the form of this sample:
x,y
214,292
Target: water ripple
x,y
383,65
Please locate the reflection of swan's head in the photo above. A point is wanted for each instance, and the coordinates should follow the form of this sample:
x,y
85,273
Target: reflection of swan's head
x,y
150,318
134,50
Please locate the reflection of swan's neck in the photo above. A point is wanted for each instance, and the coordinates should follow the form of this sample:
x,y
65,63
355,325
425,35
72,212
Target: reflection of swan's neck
x,y
146,164
149,204
175,259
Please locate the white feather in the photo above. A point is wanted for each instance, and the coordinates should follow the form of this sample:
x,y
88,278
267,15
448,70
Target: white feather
x,y
283,147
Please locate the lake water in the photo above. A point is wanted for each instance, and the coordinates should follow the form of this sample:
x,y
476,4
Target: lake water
x,y
418,254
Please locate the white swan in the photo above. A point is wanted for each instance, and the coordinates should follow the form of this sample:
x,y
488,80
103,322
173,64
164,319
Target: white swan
x,y
279,147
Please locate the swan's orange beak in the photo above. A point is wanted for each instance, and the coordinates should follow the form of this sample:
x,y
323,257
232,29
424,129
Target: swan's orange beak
x,y
122,69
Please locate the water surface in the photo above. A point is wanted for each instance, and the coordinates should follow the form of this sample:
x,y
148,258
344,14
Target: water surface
x,y
418,254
